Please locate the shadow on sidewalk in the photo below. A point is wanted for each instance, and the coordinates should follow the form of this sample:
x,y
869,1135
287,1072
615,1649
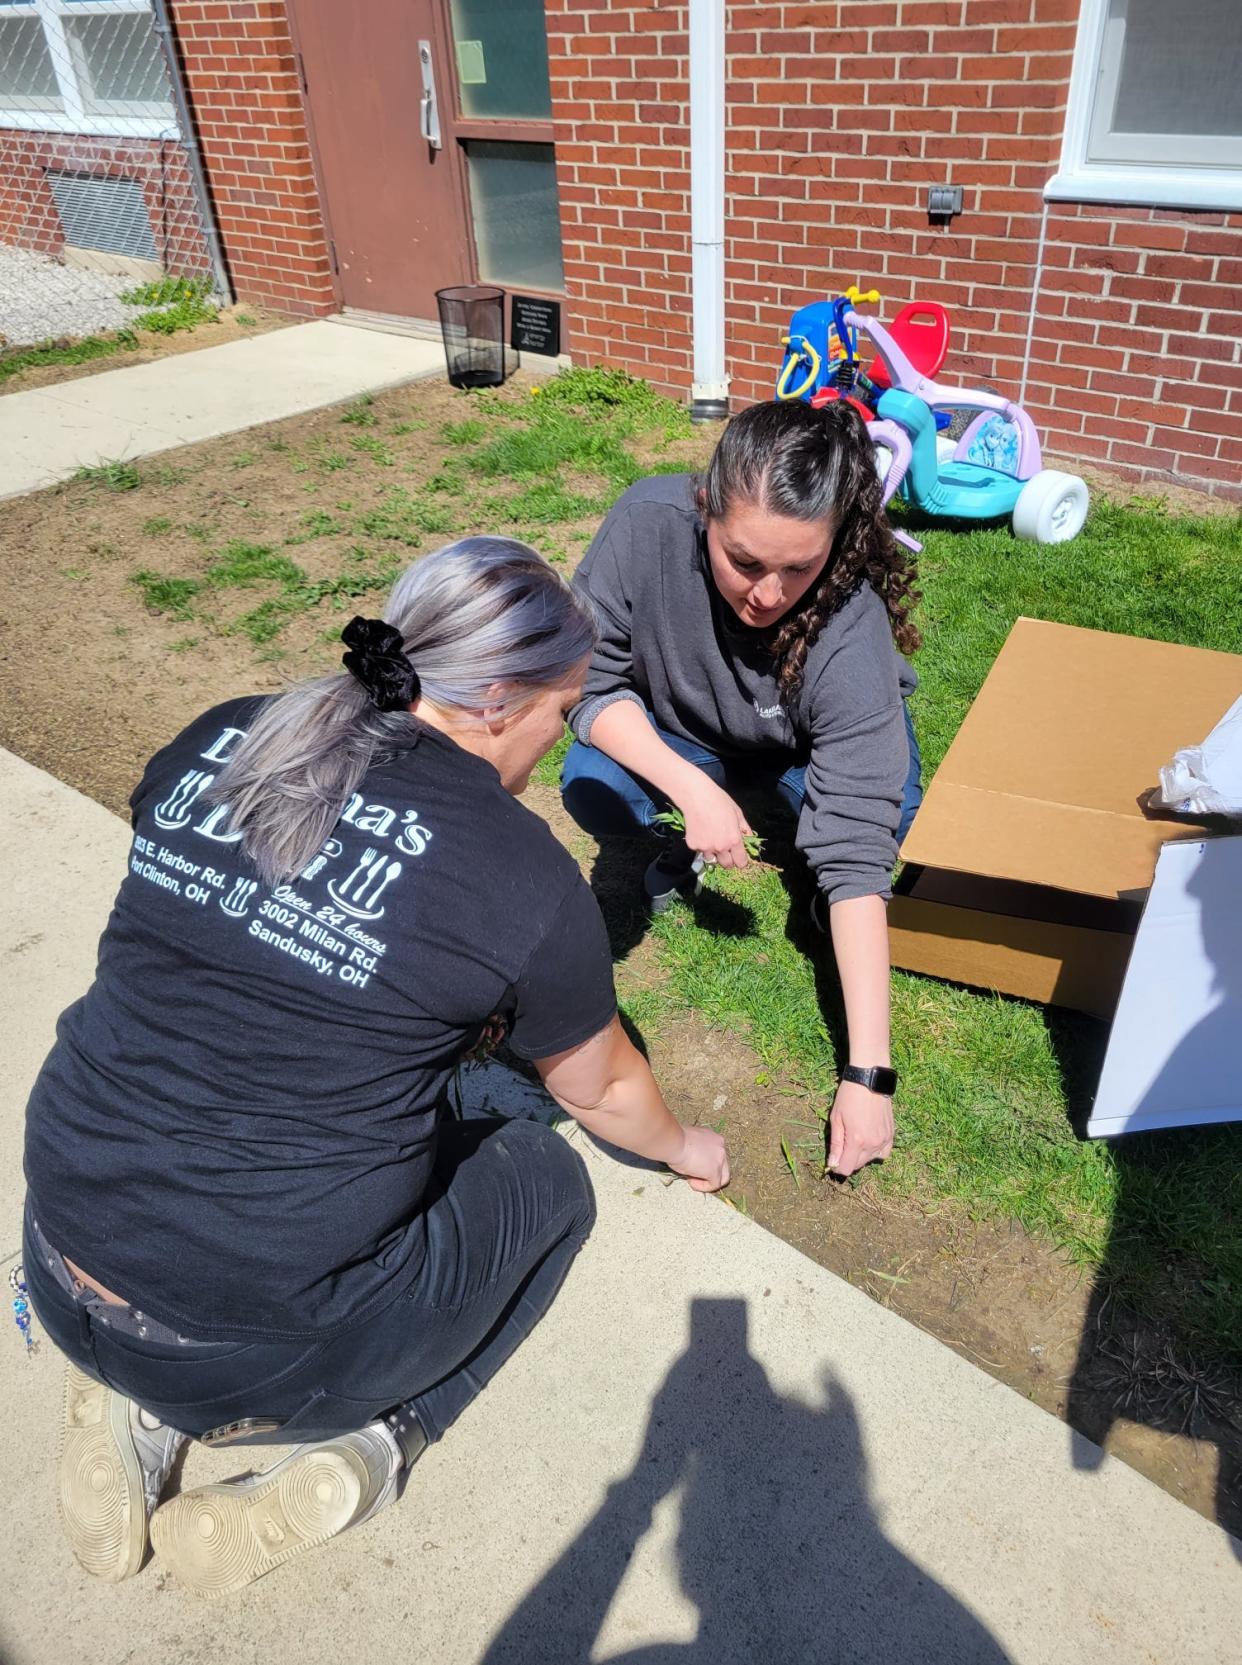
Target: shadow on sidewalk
x,y
778,1545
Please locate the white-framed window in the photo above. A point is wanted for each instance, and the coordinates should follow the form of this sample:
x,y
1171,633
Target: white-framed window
x,y
83,66
1155,105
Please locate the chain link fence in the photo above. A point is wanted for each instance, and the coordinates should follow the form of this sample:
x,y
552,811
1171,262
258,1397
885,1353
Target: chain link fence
x,y
104,219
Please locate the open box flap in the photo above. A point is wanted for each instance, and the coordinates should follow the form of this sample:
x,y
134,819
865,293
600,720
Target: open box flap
x,y
1045,780
1065,846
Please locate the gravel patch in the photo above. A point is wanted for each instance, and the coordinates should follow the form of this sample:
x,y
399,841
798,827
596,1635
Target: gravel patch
x,y
42,300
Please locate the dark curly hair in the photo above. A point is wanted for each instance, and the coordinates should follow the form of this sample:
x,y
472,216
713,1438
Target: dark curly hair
x,y
815,465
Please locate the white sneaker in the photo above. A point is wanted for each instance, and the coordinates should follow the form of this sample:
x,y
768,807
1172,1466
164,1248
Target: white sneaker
x,y
114,1460
676,875
219,1538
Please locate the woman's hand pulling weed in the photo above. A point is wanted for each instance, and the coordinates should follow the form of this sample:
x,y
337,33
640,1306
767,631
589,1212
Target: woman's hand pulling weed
x,y
716,829
703,1159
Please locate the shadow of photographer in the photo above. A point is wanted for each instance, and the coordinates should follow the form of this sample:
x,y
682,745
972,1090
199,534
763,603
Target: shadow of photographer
x,y
778,1545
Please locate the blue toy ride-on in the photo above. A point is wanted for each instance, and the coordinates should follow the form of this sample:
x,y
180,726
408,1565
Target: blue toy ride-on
x,y
983,476
993,471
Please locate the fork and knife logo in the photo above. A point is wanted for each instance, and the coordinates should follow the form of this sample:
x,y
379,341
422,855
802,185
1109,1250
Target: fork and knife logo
x,y
358,893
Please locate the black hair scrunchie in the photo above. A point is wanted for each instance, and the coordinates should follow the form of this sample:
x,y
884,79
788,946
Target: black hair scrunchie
x,y
380,664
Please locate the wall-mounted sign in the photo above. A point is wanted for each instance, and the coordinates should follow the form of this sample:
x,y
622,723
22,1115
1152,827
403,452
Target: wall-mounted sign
x,y
535,326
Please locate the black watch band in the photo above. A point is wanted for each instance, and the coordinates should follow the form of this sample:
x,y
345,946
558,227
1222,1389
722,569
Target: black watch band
x,y
880,1079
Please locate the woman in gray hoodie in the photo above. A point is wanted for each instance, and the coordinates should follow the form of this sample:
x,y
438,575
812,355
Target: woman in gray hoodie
x,y
747,627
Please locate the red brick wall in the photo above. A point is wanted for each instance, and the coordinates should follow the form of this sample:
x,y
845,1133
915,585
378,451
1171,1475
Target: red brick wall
x,y
28,215
840,115
620,92
1136,356
243,87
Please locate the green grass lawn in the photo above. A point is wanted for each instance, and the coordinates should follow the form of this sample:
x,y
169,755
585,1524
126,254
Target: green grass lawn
x,y
528,467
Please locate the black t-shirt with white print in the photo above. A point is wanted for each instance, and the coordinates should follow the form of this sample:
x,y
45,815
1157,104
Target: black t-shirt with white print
x,y
236,1126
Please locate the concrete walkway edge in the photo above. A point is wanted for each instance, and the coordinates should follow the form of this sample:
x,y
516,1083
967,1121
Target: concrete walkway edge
x,y
48,433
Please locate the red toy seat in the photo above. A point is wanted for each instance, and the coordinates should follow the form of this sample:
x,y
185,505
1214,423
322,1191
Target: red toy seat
x,y
825,396
921,330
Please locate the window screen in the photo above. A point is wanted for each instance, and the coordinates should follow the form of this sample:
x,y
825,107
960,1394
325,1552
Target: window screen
x,y
1170,85
118,63
27,78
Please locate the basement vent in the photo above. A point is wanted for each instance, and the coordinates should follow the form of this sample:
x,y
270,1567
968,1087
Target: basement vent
x,y
106,214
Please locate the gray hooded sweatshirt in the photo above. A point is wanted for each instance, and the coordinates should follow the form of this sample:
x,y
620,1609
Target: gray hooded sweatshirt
x,y
671,643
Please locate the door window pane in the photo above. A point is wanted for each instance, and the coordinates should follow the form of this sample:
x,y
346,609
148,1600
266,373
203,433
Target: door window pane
x,y
502,59
27,79
119,63
517,217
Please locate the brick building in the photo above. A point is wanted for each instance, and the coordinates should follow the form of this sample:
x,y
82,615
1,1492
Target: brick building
x,y
362,155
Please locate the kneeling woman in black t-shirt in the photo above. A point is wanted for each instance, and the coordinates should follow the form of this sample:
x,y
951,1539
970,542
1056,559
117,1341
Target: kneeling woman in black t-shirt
x,y
247,1218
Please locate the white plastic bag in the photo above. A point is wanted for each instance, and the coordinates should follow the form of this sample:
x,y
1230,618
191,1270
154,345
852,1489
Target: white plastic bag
x,y
1207,779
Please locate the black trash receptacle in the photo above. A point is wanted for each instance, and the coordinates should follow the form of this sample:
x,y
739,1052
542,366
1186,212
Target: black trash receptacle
x,y
472,322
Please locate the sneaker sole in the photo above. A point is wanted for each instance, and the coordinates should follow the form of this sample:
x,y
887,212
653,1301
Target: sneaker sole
x,y
102,1505
218,1539
680,893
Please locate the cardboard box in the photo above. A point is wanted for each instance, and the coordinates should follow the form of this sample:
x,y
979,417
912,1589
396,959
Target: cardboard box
x,y
1029,862
1175,1051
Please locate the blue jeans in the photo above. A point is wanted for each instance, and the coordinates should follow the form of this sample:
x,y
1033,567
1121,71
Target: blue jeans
x,y
509,1208
607,801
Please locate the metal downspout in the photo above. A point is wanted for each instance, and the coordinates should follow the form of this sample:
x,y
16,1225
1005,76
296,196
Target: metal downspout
x,y
709,396
189,138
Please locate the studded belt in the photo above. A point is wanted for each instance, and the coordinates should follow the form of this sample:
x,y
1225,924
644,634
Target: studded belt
x,y
125,1320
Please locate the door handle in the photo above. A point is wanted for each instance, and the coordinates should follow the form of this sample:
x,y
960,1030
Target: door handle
x,y
428,108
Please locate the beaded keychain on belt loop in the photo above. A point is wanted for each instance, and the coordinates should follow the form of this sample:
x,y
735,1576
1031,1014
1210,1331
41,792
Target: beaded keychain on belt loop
x,y
21,1305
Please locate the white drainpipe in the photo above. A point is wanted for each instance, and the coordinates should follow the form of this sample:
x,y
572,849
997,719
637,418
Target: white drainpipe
x,y
709,396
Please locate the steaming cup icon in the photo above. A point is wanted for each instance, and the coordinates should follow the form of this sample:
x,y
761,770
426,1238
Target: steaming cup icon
x,y
176,809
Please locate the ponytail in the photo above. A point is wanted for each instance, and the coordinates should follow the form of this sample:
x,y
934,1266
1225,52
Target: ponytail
x,y
484,623
816,465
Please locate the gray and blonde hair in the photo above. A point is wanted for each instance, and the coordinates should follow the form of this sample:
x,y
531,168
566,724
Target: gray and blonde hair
x,y
486,623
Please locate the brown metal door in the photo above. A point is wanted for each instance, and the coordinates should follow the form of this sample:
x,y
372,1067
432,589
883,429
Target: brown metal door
x,y
395,204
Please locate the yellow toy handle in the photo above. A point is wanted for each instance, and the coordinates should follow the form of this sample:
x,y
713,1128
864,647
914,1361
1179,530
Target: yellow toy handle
x,y
856,295
783,391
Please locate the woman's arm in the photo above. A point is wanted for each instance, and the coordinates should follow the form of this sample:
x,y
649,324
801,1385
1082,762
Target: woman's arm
x,y
607,1085
612,714
715,825
860,757
861,1125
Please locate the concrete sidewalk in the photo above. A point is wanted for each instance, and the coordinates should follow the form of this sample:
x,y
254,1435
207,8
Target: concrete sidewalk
x,y
711,1452
48,433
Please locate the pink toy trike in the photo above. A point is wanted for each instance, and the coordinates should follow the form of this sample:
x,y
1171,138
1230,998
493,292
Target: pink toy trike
x,y
994,470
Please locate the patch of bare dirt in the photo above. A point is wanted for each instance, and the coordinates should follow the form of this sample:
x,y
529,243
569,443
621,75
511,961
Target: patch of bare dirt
x,y
1177,496
92,681
1004,1300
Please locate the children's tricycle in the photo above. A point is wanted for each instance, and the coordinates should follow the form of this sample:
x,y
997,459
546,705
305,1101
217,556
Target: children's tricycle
x,y
821,351
992,471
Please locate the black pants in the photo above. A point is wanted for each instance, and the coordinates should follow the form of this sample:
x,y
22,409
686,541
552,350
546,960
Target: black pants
x,y
513,1206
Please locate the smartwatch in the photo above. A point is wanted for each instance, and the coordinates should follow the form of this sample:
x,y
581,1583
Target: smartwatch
x,y
880,1080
